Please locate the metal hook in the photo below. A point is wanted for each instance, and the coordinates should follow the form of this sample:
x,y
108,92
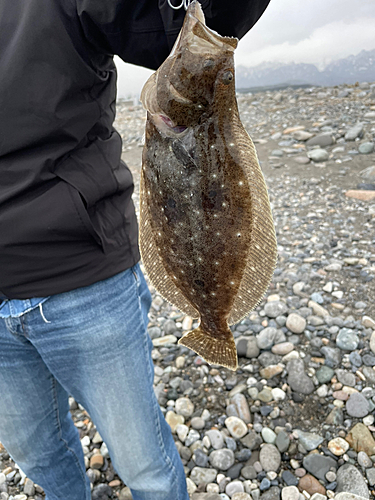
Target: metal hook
x,y
184,3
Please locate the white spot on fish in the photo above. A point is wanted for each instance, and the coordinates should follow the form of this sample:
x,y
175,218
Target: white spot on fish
x,y
231,144
200,259
240,183
215,216
212,146
214,176
238,235
231,282
216,263
217,234
224,204
213,294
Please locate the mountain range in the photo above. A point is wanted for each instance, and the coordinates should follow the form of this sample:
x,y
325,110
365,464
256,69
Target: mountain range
x,y
352,69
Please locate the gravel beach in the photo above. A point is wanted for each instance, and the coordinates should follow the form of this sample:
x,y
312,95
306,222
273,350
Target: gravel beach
x,y
296,421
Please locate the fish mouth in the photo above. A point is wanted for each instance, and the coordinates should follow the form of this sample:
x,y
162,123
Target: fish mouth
x,y
176,129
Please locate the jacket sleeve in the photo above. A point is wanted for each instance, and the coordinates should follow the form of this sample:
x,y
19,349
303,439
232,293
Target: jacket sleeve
x,y
142,32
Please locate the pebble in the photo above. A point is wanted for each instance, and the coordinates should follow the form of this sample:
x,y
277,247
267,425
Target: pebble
x,y
290,493
357,405
184,407
270,458
216,438
366,148
311,485
236,427
338,446
309,440
275,308
297,378
347,340
234,487
268,435
350,480
318,155
222,459
318,465
295,323
360,439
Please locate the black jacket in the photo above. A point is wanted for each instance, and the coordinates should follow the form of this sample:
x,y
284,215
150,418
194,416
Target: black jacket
x,y
66,215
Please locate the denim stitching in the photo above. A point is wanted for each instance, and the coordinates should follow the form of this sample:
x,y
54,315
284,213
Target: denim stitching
x,y
56,408
155,403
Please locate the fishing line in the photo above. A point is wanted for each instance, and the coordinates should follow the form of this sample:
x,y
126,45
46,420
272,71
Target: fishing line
x,y
184,3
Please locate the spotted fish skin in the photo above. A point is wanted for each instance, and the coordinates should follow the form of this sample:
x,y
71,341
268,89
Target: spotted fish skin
x,y
206,237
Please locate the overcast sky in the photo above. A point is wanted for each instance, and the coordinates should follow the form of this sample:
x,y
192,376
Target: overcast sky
x,y
310,31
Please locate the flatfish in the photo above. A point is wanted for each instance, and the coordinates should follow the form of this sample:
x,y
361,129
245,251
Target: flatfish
x,y
207,237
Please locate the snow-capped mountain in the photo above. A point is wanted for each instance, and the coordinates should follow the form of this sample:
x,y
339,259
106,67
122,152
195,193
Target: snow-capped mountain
x,y
358,68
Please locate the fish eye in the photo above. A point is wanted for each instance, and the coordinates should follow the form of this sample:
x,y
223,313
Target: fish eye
x,y
208,64
227,77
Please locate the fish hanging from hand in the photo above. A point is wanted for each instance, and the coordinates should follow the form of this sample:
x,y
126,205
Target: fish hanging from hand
x,y
207,237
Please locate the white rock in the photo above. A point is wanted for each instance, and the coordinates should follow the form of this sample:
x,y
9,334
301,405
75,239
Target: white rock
x,y
191,487
372,342
296,323
290,493
278,394
167,339
368,322
236,427
338,446
182,431
322,391
184,407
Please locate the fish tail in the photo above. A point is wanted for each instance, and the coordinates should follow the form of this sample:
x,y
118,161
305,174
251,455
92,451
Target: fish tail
x,y
218,350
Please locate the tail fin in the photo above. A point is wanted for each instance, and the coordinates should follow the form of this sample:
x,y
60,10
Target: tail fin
x,y
219,350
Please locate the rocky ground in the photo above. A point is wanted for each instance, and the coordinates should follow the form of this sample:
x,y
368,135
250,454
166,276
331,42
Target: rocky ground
x,y
296,421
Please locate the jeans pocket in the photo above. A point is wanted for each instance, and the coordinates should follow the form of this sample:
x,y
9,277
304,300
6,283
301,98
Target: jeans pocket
x,y
135,274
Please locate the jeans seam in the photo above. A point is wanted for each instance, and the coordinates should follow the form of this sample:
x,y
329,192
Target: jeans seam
x,y
57,415
155,403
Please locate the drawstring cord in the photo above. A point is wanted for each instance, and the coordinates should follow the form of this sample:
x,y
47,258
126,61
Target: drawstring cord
x,y
41,313
184,3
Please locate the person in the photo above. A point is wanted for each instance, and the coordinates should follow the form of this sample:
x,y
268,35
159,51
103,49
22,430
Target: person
x,y
74,302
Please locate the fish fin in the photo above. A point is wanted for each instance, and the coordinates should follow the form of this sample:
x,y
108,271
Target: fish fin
x,y
153,263
262,254
218,350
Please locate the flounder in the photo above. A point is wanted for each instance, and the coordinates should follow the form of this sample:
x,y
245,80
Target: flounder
x,y
207,237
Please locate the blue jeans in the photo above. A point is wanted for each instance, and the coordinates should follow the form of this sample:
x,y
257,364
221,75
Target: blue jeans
x,y
94,347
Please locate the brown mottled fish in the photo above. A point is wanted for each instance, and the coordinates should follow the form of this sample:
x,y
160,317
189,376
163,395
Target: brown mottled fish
x,y
206,232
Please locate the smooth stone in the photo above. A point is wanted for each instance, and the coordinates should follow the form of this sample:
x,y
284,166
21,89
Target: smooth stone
x,y
346,378
290,493
370,474
202,475
234,487
350,480
372,342
174,420
269,336
297,378
272,494
197,423
369,373
338,446
282,348
270,457
357,405
354,132
242,407
166,340
271,371
252,440
275,308
222,459
318,465
268,435
241,496
309,440
295,323
324,374
318,155
236,427
311,485
347,340
282,441
278,394
318,309
364,460
216,438
265,395
360,439
366,148
332,354
335,417
321,140
184,407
